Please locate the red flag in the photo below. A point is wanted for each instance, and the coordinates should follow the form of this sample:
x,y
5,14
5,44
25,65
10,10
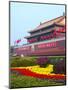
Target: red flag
x,y
19,40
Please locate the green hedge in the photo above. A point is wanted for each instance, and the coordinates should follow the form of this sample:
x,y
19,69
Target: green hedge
x,y
30,61
55,59
22,61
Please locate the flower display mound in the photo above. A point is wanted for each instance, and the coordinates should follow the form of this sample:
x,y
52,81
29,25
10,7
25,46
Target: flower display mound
x,y
36,71
41,70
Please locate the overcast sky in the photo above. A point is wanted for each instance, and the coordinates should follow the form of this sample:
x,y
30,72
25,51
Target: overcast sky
x,y
26,16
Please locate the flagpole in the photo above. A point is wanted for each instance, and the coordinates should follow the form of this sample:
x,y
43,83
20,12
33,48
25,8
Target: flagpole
x,y
14,43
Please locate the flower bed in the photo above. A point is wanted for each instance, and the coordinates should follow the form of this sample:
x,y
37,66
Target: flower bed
x,y
28,72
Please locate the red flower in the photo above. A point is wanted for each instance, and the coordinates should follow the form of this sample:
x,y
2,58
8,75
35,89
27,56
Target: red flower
x,y
27,72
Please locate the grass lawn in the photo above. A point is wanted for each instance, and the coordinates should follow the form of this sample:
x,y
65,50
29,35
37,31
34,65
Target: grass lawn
x,y
19,81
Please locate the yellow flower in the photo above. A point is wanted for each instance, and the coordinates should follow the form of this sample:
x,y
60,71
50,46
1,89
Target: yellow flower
x,y
40,70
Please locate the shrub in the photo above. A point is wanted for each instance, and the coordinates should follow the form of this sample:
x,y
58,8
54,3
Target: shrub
x,y
55,59
22,61
60,67
42,61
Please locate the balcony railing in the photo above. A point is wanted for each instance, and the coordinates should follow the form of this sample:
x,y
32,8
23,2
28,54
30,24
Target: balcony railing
x,y
55,34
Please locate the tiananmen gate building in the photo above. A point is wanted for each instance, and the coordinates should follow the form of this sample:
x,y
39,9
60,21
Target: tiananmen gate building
x,y
48,38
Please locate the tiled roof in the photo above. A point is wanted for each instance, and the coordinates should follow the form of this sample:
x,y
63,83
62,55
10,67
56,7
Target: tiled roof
x,y
59,20
62,22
